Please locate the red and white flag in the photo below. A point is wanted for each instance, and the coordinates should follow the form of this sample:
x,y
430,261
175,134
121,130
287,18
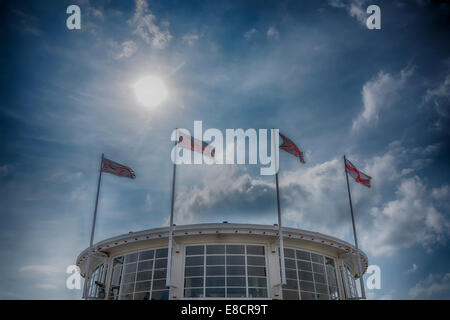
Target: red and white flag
x,y
359,176
118,169
193,144
290,147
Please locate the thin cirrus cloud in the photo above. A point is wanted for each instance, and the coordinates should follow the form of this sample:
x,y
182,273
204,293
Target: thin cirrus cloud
x,y
158,36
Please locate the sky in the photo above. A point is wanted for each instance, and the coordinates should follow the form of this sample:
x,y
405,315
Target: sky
x,y
310,68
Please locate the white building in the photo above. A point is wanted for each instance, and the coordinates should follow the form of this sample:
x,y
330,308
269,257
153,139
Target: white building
x,y
220,261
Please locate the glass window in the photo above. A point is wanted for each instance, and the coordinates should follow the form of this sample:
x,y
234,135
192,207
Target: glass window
x,y
232,271
215,271
215,292
290,295
310,276
140,276
96,283
349,283
235,260
255,250
215,260
303,255
146,255
161,253
194,261
236,292
195,250
236,282
235,249
235,270
215,249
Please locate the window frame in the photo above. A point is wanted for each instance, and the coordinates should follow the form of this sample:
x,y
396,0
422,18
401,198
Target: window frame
x,y
297,270
137,251
245,244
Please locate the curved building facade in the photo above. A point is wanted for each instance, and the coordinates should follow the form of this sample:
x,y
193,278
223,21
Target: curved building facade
x,y
222,261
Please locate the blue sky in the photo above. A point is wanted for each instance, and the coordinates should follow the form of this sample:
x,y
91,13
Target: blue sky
x,y
310,68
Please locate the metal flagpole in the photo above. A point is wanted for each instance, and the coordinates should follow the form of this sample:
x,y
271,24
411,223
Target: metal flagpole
x,y
91,243
280,230
363,292
169,251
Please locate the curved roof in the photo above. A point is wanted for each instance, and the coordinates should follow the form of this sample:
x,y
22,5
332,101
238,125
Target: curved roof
x,y
343,247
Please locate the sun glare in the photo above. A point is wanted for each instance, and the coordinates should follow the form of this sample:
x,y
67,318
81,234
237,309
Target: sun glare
x,y
150,91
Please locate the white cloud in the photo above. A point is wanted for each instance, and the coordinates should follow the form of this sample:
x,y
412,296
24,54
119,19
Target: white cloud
x,y
272,33
435,286
190,39
146,28
40,269
413,269
355,8
128,49
314,197
412,218
379,93
250,33
439,97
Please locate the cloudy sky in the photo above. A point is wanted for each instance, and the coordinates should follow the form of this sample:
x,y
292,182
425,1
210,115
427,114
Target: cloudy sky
x,y
310,68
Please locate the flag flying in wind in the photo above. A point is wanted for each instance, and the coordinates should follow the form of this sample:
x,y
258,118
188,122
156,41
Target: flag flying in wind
x,y
290,147
360,177
118,169
193,144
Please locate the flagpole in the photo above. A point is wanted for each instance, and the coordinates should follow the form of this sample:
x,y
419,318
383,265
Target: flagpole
x,y
280,230
91,243
363,292
169,251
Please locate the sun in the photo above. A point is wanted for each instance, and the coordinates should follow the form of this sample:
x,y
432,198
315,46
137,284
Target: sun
x,y
150,91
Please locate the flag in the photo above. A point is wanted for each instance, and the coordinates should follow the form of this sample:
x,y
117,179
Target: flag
x,y
360,177
118,169
193,144
290,147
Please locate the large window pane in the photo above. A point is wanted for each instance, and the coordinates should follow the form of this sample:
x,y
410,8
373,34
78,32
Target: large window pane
x,y
236,292
145,265
160,263
195,250
256,261
215,249
303,255
215,292
236,282
193,271
215,271
215,282
290,295
235,249
257,293
256,271
235,270
235,260
146,255
193,293
145,275
215,260
194,261
289,253
161,253
193,282
255,250
131,258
